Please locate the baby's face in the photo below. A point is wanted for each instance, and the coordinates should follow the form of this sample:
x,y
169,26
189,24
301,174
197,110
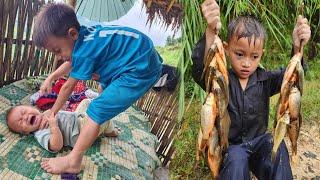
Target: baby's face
x,y
24,119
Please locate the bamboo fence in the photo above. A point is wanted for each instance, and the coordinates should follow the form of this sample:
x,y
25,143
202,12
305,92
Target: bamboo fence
x,y
19,57
161,108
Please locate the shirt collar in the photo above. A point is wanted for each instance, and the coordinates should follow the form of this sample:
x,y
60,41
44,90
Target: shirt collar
x,y
257,76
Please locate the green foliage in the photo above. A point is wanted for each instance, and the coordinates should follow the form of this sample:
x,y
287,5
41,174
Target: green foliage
x,y
172,41
192,29
189,85
278,16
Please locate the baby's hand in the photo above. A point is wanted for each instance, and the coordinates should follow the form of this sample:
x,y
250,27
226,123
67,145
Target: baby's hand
x,y
301,33
45,119
53,121
211,11
46,87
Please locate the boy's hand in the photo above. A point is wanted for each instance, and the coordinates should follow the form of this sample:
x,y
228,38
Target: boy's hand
x,y
301,33
46,87
211,11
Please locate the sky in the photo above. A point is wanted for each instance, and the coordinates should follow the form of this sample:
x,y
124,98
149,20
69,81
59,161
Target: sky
x,y
137,18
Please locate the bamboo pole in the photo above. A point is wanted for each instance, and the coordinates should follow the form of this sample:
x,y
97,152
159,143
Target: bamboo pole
x,y
24,59
32,11
13,5
2,33
20,32
4,15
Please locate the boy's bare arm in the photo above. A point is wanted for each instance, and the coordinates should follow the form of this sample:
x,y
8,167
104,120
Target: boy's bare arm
x,y
56,139
64,94
64,69
211,12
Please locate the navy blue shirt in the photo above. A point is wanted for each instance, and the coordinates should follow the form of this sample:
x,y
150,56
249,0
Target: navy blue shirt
x,y
249,108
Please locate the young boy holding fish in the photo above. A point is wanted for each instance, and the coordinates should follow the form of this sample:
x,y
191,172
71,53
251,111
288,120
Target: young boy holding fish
x,y
250,88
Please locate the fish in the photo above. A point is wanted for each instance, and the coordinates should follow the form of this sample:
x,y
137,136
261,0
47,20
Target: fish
x,y
201,144
279,133
215,121
223,130
214,154
300,73
288,115
295,120
208,115
296,59
220,79
294,103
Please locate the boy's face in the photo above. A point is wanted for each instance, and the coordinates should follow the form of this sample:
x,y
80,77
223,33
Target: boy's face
x,y
62,46
244,56
24,119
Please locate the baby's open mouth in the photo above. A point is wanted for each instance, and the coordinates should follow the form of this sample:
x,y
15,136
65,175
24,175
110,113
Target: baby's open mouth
x,y
33,120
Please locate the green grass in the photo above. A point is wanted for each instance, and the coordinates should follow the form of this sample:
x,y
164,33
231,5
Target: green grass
x,y
182,166
170,54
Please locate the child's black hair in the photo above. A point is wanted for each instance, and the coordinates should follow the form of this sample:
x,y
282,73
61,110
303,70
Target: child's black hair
x,y
54,19
247,26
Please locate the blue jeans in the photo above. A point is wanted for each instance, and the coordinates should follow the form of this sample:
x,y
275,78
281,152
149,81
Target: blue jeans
x,y
255,156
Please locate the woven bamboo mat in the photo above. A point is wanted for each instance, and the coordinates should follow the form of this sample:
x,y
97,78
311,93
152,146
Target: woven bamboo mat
x,y
129,156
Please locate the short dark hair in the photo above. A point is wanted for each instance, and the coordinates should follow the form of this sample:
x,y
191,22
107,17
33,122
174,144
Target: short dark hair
x,y
9,112
53,19
246,26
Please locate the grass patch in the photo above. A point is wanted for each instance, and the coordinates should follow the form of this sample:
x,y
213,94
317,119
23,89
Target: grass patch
x,y
182,165
170,54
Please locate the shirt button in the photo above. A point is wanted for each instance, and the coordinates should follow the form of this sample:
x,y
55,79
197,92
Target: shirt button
x,y
245,112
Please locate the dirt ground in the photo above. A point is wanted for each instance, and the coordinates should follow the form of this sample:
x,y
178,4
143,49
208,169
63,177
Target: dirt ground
x,y
308,166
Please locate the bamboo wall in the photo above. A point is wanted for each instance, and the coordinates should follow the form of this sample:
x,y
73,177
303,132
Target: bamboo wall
x,y
18,56
161,109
